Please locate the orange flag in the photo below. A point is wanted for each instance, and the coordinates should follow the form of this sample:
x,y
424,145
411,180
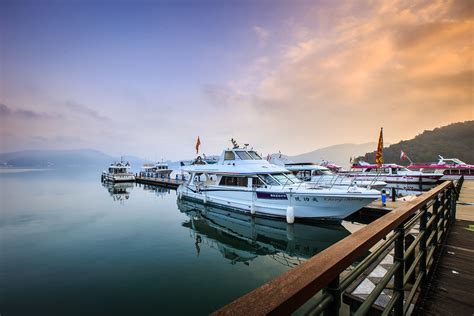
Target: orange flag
x,y
379,154
198,143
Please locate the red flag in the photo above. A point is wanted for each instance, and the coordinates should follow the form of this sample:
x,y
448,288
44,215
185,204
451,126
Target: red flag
x,y
379,154
198,143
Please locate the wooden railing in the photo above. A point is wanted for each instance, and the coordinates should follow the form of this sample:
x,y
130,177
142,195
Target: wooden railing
x,y
434,210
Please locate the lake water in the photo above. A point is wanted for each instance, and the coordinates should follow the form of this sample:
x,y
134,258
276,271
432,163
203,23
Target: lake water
x,y
70,245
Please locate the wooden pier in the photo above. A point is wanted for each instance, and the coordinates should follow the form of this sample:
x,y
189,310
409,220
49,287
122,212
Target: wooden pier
x,y
172,183
317,286
451,288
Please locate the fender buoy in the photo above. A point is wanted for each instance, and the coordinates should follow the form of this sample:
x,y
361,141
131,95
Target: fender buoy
x,y
290,215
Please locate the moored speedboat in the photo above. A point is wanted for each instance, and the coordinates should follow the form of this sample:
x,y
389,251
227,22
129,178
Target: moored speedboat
x,y
243,181
392,173
319,175
451,168
118,172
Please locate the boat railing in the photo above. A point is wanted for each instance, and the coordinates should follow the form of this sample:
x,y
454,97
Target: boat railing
x,y
325,277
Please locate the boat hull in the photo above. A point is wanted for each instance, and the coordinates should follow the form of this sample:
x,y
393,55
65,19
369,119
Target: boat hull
x,y
107,177
275,204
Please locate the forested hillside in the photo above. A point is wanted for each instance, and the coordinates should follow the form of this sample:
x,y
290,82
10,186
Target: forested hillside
x,y
454,140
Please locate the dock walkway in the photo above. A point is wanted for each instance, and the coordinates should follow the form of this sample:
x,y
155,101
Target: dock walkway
x,y
164,182
451,288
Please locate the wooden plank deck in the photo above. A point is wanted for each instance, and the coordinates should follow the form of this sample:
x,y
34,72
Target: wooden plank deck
x,y
451,288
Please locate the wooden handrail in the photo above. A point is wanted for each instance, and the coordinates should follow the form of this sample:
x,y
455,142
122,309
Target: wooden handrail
x,y
289,291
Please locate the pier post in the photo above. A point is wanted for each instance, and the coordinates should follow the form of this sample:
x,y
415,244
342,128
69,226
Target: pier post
x,y
394,195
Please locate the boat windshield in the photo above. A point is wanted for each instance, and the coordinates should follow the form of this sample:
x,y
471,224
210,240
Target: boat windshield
x,y
285,179
243,155
254,155
268,179
321,172
292,177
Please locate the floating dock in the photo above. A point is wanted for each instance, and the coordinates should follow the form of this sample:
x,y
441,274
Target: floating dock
x,y
164,182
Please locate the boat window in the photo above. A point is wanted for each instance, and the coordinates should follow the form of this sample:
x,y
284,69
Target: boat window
x,y
321,172
394,171
257,182
254,155
464,171
233,181
243,155
229,155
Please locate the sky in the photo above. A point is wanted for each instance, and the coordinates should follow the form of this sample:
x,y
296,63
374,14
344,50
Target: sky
x,y
148,77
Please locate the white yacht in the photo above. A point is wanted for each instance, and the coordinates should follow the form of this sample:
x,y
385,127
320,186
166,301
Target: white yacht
x,y
242,180
322,176
118,172
157,170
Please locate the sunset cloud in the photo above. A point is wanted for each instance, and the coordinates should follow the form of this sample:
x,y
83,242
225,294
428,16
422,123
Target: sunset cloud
x,y
399,64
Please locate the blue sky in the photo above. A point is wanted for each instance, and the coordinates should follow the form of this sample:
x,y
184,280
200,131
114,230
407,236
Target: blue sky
x,y
148,77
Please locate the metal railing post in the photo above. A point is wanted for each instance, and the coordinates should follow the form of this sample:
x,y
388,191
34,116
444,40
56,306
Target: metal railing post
x,y
434,226
400,273
334,289
423,230
442,219
454,198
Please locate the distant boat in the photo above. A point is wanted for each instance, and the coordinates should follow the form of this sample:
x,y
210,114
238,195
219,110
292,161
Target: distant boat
x,y
392,173
242,180
118,172
451,168
157,170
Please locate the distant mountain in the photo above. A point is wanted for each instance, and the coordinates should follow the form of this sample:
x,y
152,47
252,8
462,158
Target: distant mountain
x,y
451,141
59,159
338,154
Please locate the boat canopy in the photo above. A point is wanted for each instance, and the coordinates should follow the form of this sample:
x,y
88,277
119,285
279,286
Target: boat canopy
x,y
237,161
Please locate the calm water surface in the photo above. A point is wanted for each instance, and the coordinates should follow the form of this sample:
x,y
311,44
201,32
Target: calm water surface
x,y
70,245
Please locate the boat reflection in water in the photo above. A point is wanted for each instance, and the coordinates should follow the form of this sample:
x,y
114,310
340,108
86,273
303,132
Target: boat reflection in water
x,y
119,191
157,190
243,238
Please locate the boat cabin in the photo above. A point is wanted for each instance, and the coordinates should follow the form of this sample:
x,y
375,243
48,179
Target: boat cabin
x,y
119,167
305,171
240,167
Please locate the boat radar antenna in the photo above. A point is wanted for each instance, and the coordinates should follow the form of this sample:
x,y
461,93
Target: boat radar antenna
x,y
246,145
234,142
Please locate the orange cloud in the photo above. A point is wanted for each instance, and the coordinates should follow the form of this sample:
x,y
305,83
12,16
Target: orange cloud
x,y
405,65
